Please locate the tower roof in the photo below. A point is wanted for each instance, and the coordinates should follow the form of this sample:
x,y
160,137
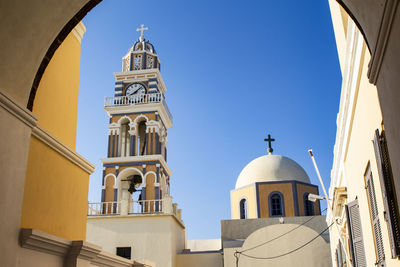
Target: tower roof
x,y
271,168
142,44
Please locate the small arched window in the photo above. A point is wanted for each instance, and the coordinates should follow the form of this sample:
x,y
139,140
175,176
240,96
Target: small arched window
x,y
276,204
308,206
243,208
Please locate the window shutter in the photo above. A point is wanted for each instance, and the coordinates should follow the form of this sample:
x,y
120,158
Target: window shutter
x,y
388,193
373,208
356,234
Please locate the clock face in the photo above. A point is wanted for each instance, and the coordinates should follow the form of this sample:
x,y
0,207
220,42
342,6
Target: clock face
x,y
135,89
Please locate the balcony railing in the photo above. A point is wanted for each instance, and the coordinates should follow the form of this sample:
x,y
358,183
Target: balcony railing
x,y
131,207
145,206
104,208
137,100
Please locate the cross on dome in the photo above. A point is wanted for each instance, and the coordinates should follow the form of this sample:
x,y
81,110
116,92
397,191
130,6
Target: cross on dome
x,y
141,30
269,140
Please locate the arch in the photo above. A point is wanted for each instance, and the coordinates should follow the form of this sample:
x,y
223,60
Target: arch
x,y
140,117
243,208
127,172
308,206
111,175
124,118
276,204
145,177
63,33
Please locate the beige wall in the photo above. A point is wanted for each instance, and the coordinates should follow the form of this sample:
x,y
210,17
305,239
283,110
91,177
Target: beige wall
x,y
152,237
316,254
204,259
15,147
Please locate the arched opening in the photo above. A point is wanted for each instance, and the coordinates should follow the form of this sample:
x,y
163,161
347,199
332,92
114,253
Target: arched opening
x,y
124,139
308,206
243,208
142,138
276,204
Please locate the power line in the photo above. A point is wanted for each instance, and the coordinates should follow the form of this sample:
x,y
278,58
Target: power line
x,y
238,253
275,238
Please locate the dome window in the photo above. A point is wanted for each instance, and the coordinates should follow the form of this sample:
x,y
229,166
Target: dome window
x,y
276,204
243,208
308,206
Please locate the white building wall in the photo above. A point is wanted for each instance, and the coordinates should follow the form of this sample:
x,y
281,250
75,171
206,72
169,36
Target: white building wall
x,y
156,238
358,118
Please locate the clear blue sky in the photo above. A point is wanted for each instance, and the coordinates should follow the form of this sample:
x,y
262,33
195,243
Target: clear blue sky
x,y
235,71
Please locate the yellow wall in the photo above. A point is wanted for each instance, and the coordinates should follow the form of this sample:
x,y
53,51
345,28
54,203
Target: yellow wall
x,y
301,190
55,194
286,190
237,195
56,101
56,190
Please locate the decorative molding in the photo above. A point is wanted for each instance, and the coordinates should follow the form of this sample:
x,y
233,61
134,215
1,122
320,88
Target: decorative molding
x,y
382,40
21,113
70,251
138,159
62,149
79,31
40,241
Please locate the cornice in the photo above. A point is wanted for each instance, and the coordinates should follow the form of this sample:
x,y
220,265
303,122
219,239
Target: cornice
x,y
159,107
61,148
79,31
382,40
21,113
44,242
71,250
157,157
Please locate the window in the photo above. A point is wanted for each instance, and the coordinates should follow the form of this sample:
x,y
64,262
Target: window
x,y
388,191
243,208
308,206
340,256
124,252
137,63
276,205
355,234
376,226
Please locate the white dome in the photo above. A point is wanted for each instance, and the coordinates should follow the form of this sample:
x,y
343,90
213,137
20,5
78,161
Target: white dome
x,y
271,168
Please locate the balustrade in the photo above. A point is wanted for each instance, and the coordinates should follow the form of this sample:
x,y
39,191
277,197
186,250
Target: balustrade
x,y
137,100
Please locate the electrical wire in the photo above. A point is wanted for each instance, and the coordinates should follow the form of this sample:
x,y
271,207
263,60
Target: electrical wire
x,y
237,253
279,236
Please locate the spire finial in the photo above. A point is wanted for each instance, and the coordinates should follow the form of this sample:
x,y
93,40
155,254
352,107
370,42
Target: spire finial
x,y
141,30
269,140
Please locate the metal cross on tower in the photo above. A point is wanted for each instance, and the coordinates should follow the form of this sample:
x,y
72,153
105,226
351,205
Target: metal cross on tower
x,y
141,30
269,140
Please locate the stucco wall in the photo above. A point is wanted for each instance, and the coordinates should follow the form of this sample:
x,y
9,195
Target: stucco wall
x,y
56,102
249,193
152,237
285,189
204,259
316,254
55,193
301,190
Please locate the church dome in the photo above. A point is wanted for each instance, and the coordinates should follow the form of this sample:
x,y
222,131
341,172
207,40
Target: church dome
x,y
271,168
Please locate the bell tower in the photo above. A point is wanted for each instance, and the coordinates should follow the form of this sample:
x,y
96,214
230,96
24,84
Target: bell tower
x,y
135,172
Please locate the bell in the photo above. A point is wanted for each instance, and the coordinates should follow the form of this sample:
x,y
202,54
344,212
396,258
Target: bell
x,y
132,188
